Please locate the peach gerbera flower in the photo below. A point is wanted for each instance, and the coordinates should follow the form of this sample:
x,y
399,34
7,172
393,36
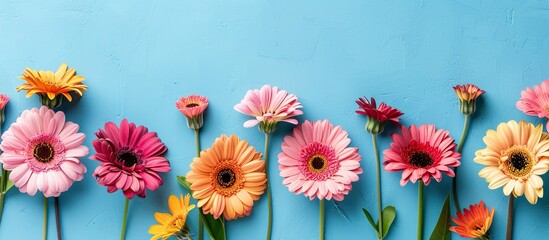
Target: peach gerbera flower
x,y
468,94
227,178
515,157
193,108
474,222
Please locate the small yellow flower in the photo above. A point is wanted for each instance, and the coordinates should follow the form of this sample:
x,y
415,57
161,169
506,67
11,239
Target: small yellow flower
x,y
174,223
50,86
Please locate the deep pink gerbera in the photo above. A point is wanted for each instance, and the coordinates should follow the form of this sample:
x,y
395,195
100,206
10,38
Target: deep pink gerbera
x,y
535,101
422,153
130,159
377,116
316,161
4,99
43,151
269,106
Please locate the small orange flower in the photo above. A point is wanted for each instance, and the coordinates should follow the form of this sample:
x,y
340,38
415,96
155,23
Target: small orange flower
x,y
475,222
468,95
193,108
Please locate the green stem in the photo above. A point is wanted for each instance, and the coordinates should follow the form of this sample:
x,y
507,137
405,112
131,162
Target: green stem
x,y
45,226
125,219
509,233
200,222
420,210
3,182
460,147
321,226
57,217
269,197
378,175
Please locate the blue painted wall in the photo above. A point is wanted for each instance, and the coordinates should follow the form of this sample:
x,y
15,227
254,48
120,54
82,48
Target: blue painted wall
x,y
140,57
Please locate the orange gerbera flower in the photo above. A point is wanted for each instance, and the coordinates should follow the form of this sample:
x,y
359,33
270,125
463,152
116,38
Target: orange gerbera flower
x,y
227,178
475,222
50,85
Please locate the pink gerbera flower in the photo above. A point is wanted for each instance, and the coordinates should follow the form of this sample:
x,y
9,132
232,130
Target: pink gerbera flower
x,y
43,151
4,99
130,159
422,153
377,116
316,161
535,101
269,106
193,108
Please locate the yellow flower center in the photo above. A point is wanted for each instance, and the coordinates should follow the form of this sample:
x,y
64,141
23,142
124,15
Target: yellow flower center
x,y
317,163
518,162
43,152
227,178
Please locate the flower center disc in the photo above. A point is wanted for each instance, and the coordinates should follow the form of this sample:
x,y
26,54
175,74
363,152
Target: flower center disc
x,y
318,163
191,105
421,159
127,157
519,162
226,178
43,152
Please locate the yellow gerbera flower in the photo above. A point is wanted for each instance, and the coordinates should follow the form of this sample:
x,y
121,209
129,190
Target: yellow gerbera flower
x,y
172,224
515,156
50,86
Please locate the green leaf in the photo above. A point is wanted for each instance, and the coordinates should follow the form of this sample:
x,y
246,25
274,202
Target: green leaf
x,y
9,184
371,220
442,229
186,184
389,214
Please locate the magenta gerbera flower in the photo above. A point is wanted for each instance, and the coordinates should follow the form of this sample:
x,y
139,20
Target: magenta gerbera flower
x,y
535,101
269,106
131,159
422,153
43,151
377,116
316,161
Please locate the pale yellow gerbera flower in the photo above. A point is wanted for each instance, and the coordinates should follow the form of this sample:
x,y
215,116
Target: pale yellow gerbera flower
x,y
515,156
173,224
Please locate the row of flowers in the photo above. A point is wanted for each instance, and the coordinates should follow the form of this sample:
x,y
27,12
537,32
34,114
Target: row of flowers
x,y
41,151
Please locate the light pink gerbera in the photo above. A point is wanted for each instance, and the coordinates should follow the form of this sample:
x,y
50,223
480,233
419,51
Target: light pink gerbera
x,y
43,151
535,101
130,159
316,161
422,153
269,106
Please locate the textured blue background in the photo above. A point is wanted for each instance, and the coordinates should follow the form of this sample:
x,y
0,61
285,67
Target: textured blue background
x,y
139,58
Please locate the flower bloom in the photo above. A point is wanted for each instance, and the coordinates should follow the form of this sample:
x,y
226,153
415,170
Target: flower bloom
x,y
269,106
474,222
4,99
173,224
468,95
42,152
377,116
51,86
131,159
535,101
421,153
227,178
515,157
316,161
193,108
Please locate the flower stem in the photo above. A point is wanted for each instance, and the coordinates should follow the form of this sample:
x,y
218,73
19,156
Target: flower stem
x,y
45,226
125,219
321,226
460,147
420,210
269,198
200,223
3,182
57,218
378,175
509,233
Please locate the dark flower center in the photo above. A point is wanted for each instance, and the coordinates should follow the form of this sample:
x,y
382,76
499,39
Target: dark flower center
x,y
226,178
318,163
518,161
421,159
43,152
128,157
191,105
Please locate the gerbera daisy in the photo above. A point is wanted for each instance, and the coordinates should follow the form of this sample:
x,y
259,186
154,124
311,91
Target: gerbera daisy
x,y
227,178
269,106
535,101
173,224
4,99
515,157
316,161
468,95
131,159
43,151
377,116
474,222
193,108
421,153
51,86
